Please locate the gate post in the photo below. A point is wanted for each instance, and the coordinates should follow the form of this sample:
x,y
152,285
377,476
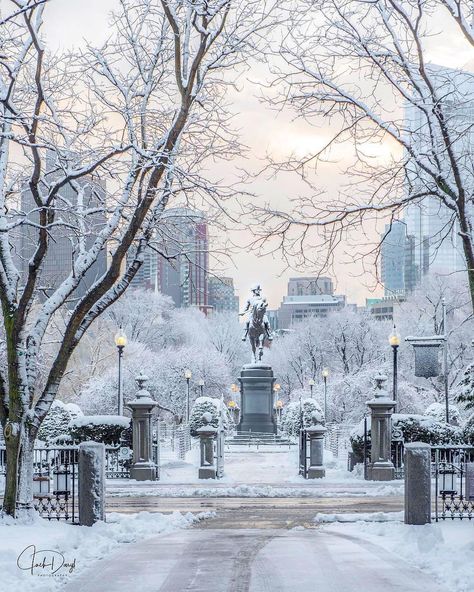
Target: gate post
x,y
316,450
207,436
381,406
417,483
143,468
91,475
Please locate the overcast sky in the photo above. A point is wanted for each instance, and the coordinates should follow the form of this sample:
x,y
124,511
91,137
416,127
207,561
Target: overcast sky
x,y
68,22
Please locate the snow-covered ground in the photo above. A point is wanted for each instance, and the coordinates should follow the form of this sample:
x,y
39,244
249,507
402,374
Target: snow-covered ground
x,y
71,549
444,549
267,472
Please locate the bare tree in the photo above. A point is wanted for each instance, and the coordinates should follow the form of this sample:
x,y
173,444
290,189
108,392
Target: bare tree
x,y
362,67
140,114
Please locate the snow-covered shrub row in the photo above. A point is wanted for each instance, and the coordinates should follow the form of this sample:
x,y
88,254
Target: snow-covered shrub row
x,y
291,421
438,411
98,428
213,407
56,424
413,428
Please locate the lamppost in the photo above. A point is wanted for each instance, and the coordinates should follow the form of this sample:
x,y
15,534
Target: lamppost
x,y
276,390
187,375
279,409
201,386
394,340
311,383
120,342
325,374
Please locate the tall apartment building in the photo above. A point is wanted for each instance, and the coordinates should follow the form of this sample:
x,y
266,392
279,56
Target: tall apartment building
x,y
63,244
177,261
222,297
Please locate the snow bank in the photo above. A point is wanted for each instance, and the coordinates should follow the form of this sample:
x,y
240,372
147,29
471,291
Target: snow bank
x,y
445,549
78,545
321,518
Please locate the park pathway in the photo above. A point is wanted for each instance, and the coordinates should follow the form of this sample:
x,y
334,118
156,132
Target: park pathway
x,y
217,556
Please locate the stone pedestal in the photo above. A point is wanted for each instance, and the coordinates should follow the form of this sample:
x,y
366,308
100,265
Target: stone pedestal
x,y
143,468
256,389
91,478
381,406
417,483
316,468
207,435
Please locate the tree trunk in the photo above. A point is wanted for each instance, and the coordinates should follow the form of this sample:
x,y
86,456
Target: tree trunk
x,y
18,497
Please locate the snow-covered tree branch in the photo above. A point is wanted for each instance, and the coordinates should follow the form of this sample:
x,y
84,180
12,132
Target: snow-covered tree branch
x,y
93,148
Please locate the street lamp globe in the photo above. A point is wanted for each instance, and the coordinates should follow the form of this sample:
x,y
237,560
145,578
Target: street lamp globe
x,y
311,382
188,374
276,387
234,388
325,372
201,381
394,337
120,338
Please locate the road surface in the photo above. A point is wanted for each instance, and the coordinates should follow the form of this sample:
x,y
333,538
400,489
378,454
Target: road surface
x,y
253,560
254,545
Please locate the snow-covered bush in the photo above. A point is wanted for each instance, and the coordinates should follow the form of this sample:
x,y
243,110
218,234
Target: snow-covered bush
x,y
56,422
208,405
291,421
99,428
413,428
468,431
438,411
465,388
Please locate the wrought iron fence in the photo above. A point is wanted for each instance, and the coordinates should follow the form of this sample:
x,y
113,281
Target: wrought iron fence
x,y
337,438
304,453
118,459
453,468
55,482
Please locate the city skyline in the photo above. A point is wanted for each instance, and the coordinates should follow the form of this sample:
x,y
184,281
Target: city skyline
x,y
265,132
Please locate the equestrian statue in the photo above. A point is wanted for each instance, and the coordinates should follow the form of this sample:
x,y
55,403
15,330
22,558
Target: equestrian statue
x,y
257,327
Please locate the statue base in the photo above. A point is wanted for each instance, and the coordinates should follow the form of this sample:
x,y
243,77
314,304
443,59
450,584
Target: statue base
x,y
256,392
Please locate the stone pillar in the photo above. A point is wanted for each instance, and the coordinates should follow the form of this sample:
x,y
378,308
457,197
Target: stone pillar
x,y
381,407
417,483
256,391
316,469
143,468
91,477
207,436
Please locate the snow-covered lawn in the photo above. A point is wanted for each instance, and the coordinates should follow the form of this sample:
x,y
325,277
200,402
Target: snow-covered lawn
x,y
443,549
72,548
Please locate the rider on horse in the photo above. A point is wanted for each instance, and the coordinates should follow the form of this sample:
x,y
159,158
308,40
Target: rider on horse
x,y
253,301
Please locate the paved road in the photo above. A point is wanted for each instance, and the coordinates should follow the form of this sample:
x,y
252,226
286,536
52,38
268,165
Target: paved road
x,y
252,512
253,560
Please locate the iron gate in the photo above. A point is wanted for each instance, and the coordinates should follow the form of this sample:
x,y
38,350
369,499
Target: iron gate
x,y
453,468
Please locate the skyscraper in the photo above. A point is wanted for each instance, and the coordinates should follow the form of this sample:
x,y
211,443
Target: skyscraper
x,y
177,261
86,193
437,246
399,272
